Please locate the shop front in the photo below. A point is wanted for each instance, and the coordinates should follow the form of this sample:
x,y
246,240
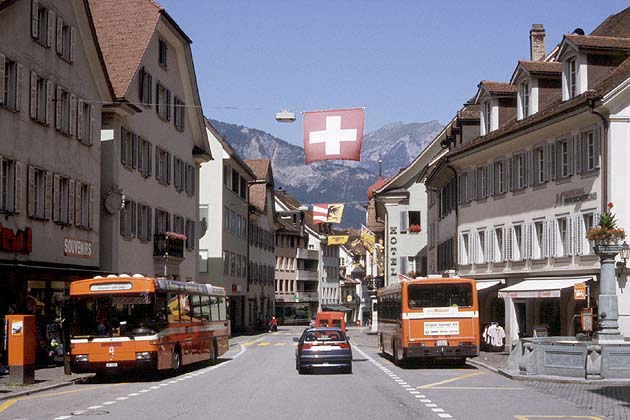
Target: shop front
x,y
545,306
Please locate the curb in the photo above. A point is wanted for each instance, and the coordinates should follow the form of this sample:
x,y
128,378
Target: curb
x,y
483,365
14,395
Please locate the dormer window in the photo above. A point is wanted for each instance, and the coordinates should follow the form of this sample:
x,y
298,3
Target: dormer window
x,y
572,77
523,100
486,117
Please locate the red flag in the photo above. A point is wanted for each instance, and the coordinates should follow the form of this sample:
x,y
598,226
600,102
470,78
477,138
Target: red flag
x,y
333,135
320,213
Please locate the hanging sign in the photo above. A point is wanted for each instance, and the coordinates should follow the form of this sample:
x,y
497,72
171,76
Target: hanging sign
x,y
579,291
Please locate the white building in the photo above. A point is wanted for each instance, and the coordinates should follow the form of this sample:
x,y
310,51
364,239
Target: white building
x,y
153,140
223,203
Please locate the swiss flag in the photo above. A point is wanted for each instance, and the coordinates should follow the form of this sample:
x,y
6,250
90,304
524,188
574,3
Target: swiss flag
x,y
333,135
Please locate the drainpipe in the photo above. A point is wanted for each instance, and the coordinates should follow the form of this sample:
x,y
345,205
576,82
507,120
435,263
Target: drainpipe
x,y
604,151
456,239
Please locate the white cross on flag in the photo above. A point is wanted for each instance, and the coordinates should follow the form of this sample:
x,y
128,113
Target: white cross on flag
x,y
333,135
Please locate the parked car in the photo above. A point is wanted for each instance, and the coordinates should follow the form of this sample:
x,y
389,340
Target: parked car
x,y
323,348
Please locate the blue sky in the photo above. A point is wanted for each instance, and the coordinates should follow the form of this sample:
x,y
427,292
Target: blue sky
x,y
410,61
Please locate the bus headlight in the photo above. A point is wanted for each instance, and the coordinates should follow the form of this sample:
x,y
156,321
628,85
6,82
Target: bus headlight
x,y
143,355
81,358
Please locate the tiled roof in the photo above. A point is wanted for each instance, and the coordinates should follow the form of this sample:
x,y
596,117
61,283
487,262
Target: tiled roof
x,y
599,42
499,88
615,25
537,67
258,192
468,115
260,167
124,29
618,75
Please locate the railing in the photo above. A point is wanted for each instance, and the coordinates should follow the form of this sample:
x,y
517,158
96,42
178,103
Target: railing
x,y
297,296
306,275
167,246
307,254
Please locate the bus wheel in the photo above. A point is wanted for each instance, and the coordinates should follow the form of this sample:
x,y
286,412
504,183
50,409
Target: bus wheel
x,y
398,357
381,348
176,360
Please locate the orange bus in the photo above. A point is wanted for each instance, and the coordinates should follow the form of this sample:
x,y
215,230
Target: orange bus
x,y
127,322
429,318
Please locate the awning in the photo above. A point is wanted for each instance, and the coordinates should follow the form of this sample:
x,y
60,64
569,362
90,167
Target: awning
x,y
339,308
541,287
484,284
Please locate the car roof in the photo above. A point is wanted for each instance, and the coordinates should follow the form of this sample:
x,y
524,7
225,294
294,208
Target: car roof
x,y
324,329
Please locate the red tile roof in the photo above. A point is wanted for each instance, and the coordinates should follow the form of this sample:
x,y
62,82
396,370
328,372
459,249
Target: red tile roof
x,y
124,29
538,67
615,25
498,88
599,42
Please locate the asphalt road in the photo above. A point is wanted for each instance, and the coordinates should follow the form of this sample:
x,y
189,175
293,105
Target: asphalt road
x,y
258,380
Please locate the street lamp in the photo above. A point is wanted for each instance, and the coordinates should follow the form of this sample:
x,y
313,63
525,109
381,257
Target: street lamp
x,y
624,254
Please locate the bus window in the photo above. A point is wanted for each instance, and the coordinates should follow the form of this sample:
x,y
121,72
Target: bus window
x,y
172,309
205,307
222,309
184,308
195,308
214,308
439,295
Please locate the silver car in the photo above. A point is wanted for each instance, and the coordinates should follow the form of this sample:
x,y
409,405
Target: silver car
x,y
323,348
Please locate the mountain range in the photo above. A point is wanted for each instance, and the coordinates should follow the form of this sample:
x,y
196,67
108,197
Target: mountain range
x,y
396,144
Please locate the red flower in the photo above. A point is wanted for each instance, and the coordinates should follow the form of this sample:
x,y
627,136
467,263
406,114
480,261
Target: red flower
x,y
610,205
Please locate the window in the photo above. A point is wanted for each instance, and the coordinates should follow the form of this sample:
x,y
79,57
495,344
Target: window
x,y
518,243
128,148
524,94
85,122
226,262
39,193
572,78
179,114
62,207
499,177
162,221
588,221
144,157
480,247
144,222
178,176
84,197
243,188
447,198
41,99
464,246
42,24
163,50
486,117
590,151
189,181
235,180
128,219
10,185
11,75
482,183
499,250
65,111
162,165
563,245
163,102
145,85
190,234
538,240
66,40
179,224
539,166
520,171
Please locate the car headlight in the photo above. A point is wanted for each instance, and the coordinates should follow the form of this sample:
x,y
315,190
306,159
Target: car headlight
x,y
143,355
82,358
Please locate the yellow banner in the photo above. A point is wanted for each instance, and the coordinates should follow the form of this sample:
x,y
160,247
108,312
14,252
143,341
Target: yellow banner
x,y
338,239
368,239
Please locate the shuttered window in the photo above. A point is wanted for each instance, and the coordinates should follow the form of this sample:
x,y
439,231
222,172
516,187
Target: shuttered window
x,y
10,185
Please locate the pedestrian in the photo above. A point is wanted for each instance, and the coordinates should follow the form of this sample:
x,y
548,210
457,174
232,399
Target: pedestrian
x,y
273,324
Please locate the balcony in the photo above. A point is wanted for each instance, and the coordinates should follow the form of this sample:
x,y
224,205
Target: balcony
x,y
168,245
306,275
297,297
307,254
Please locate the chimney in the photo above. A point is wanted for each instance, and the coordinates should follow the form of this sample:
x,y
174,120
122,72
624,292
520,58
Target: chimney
x,y
537,42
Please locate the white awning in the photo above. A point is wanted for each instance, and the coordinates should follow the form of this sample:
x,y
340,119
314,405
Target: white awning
x,y
541,287
484,284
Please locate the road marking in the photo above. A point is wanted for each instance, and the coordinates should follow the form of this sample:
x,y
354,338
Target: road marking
x,y
459,378
94,407
281,344
7,404
498,388
556,417
264,344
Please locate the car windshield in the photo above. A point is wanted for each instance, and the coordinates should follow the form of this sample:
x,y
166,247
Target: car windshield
x,y
324,335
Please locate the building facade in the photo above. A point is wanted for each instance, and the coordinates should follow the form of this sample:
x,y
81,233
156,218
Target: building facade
x,y
52,84
224,248
153,141
262,245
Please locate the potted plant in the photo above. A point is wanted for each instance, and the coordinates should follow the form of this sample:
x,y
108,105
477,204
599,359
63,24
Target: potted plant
x,y
606,231
414,228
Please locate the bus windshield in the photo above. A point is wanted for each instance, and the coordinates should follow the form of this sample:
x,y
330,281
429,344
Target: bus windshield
x,y
117,315
439,295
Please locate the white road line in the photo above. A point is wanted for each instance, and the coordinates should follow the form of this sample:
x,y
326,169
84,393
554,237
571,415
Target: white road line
x,y
445,415
425,401
62,417
109,402
144,390
121,398
432,405
94,407
133,394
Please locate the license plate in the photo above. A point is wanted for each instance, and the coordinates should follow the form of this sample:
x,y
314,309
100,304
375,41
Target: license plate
x,y
442,343
113,364
325,348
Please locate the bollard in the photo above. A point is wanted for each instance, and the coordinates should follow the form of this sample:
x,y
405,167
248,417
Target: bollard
x,y
21,348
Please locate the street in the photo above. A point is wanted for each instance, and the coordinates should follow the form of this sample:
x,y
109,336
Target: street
x,y
258,378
